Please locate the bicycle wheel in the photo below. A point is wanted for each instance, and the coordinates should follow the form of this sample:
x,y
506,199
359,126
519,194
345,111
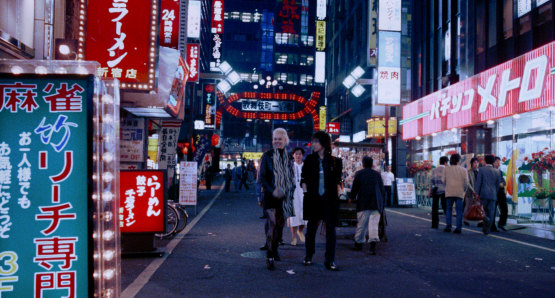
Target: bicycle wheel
x,y
183,217
172,220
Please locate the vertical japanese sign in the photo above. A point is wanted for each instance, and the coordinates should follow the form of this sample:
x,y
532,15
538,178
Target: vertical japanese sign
x,y
192,61
131,145
169,26
209,100
373,32
188,183
177,92
45,169
125,48
193,19
142,201
323,118
168,145
389,68
288,17
390,15
217,16
320,35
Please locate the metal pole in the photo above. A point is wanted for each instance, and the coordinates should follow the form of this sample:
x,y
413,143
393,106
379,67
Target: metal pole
x,y
386,151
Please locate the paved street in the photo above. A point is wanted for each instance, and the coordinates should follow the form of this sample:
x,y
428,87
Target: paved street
x,y
220,257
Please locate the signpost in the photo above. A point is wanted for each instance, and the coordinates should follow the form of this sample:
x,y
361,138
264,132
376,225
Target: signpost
x,y
406,194
188,183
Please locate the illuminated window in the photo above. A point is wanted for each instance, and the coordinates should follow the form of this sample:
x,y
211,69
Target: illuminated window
x,y
306,60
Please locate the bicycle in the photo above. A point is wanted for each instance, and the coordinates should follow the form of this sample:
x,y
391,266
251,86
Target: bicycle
x,y
176,220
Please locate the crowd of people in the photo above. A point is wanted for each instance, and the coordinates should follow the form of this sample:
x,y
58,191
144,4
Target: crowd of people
x,y
453,184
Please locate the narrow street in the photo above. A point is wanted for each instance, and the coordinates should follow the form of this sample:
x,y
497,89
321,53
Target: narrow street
x,y
220,257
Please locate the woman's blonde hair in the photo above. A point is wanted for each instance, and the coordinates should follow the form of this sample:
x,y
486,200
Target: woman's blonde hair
x,y
282,131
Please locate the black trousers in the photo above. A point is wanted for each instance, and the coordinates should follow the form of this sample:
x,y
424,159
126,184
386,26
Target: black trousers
x,y
388,198
329,218
436,198
227,185
274,230
503,208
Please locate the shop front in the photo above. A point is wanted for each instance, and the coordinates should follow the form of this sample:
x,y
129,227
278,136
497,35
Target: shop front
x,y
508,111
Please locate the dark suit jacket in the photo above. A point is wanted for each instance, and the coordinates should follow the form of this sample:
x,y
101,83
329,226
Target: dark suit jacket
x,y
313,205
487,182
267,180
368,190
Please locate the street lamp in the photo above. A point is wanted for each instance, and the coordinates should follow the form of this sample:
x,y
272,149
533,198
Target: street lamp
x,y
232,77
351,80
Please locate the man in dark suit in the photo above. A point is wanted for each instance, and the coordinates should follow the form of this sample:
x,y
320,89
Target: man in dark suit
x,y
368,190
487,185
321,181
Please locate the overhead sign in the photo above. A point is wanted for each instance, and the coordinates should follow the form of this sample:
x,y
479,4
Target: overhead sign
x,y
376,127
193,19
217,16
169,36
320,35
188,183
45,186
389,15
521,85
142,201
267,106
193,62
252,155
389,68
333,128
126,49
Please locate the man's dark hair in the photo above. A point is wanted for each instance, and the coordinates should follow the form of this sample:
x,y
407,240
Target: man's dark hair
x,y
489,159
324,139
496,158
367,162
298,149
455,158
472,160
443,160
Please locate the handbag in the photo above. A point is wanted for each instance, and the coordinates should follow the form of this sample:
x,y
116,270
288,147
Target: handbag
x,y
475,210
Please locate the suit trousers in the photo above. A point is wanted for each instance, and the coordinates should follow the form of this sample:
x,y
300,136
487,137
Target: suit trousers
x,y
274,230
489,210
329,220
503,208
435,208
388,198
367,220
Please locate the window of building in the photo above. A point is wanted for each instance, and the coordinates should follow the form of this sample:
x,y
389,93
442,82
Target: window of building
x,y
507,19
287,58
480,25
307,40
306,60
287,39
492,23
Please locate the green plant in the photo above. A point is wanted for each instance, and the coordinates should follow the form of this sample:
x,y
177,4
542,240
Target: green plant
x,y
541,194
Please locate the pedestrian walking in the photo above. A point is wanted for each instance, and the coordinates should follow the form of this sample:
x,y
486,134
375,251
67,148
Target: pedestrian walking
x,y
388,179
321,183
227,176
470,195
208,175
276,176
369,192
487,186
501,199
437,191
237,175
243,176
296,222
456,182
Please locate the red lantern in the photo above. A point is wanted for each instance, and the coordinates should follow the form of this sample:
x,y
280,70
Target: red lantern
x,y
215,140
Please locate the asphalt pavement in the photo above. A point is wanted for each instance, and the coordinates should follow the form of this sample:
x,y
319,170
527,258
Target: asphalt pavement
x,y
218,256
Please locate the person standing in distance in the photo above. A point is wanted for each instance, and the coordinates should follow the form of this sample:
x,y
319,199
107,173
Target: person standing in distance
x,y
456,183
437,191
501,199
276,178
388,178
321,183
368,190
487,186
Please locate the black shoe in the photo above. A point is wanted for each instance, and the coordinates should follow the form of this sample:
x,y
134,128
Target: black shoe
x,y
503,228
281,242
456,231
466,223
494,229
447,230
358,246
435,227
331,266
373,248
263,217
265,247
485,228
307,261
383,239
270,263
480,224
277,257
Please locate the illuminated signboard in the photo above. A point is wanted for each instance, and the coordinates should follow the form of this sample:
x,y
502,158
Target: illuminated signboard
x,y
389,15
142,201
169,35
373,32
193,62
523,7
193,19
323,118
125,48
320,67
177,92
267,106
216,52
523,84
217,16
333,128
288,17
389,68
252,155
46,151
320,35
376,127
321,9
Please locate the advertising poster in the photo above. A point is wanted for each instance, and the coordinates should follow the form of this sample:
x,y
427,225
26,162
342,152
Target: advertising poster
x,y
45,170
142,207
405,191
188,183
132,135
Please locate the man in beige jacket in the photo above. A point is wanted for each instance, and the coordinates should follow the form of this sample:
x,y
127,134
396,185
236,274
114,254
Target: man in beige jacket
x,y
456,182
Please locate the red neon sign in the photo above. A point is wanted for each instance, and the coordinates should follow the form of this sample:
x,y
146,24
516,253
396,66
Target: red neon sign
x,y
125,48
521,85
169,27
142,201
289,16
192,61
217,16
333,128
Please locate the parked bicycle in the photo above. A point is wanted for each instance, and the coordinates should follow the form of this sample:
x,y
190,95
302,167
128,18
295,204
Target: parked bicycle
x,y
176,220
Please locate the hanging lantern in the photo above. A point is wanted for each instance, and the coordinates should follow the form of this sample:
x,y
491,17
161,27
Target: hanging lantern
x,y
215,140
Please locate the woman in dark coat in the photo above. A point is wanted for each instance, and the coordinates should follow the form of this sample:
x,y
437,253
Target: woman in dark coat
x,y
321,181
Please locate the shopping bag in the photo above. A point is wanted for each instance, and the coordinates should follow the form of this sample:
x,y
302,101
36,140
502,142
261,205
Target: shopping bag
x,y
475,211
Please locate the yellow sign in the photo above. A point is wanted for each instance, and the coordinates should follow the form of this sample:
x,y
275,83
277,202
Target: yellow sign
x,y
376,127
322,118
320,35
252,155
